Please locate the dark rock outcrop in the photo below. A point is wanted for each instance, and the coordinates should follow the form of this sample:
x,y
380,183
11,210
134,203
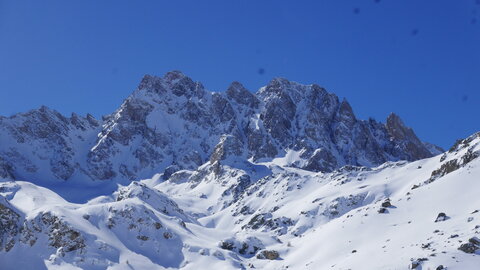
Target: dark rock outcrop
x,y
441,217
9,225
268,255
408,142
469,247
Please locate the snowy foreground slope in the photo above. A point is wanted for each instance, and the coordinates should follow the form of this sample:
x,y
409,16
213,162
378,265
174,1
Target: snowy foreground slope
x,y
231,213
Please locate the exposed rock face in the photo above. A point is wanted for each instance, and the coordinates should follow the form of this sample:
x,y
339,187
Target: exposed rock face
x,y
61,235
268,254
453,164
15,230
246,248
441,217
172,123
44,142
6,169
229,146
469,248
408,143
9,225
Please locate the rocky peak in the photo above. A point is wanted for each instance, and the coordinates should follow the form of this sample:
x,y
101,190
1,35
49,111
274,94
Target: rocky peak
x,y
277,85
174,76
47,113
40,123
298,93
152,83
238,93
345,112
91,119
83,123
397,129
182,85
407,141
275,89
175,82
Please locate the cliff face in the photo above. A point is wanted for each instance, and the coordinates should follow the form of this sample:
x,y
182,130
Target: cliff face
x,y
171,123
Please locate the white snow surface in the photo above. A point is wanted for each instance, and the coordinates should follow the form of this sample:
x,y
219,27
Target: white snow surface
x,y
226,217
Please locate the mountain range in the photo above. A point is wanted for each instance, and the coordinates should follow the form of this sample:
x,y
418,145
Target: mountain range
x,y
284,178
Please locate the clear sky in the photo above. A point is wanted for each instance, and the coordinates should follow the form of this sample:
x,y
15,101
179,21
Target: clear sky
x,y
418,58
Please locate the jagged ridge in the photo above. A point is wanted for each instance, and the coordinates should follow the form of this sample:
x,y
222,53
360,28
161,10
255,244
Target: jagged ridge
x,y
171,123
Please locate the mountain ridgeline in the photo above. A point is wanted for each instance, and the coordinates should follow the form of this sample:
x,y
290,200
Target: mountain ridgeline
x,y
172,123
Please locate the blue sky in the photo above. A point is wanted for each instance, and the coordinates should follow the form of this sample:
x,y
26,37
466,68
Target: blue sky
x,y
418,58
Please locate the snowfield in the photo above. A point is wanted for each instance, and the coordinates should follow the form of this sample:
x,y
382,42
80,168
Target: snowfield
x,y
388,217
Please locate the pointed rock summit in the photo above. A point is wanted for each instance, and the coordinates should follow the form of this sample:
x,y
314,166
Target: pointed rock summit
x,y
408,142
236,92
397,129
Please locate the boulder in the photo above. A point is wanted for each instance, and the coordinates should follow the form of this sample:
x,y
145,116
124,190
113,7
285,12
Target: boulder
x,y
474,240
382,210
441,217
268,255
468,248
386,203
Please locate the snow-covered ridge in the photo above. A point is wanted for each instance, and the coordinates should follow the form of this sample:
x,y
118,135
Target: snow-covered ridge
x,y
172,123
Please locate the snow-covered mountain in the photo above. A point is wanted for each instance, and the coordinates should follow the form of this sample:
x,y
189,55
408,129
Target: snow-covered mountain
x,y
180,177
173,123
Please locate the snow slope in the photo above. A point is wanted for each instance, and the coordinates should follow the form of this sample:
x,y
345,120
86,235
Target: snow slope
x,y
231,213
